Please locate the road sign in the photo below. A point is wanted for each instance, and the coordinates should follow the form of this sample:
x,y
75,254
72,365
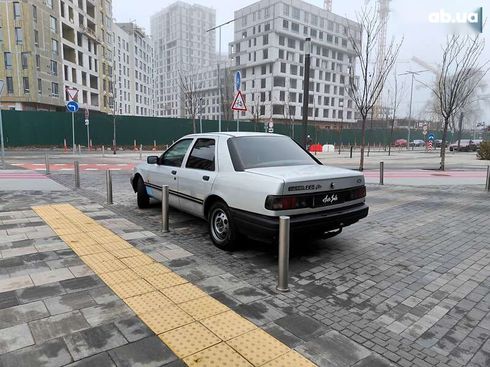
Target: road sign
x,y
72,106
238,103
72,93
431,136
238,80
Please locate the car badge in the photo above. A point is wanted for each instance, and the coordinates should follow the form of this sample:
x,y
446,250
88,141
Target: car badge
x,y
332,185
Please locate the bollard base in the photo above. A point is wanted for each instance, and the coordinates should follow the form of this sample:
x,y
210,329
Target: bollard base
x,y
282,289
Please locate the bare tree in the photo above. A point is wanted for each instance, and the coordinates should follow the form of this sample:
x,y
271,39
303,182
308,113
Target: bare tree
x,y
255,109
393,105
190,95
460,74
366,89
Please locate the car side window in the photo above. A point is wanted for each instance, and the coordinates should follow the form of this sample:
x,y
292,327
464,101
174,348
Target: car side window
x,y
175,155
202,155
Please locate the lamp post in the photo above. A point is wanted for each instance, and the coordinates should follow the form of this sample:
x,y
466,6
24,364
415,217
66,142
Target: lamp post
x,y
1,129
306,89
412,73
200,115
341,105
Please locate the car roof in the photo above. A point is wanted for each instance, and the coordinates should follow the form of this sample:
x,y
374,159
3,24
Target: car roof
x,y
232,134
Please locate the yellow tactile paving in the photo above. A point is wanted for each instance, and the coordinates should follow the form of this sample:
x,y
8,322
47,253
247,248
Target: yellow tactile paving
x,y
189,339
137,261
183,293
165,319
291,358
190,322
166,280
150,270
228,325
120,276
148,302
132,288
218,355
258,347
203,308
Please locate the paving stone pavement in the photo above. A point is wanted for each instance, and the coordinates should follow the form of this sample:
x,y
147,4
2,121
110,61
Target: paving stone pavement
x,y
407,286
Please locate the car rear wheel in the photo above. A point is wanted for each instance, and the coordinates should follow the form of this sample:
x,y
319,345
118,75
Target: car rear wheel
x,y
142,197
221,227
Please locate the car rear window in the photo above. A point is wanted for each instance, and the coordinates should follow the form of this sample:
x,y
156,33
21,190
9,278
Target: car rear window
x,y
267,151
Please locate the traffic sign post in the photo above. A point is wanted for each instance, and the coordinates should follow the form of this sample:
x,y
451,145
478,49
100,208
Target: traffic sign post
x,y
238,82
1,129
72,107
87,123
238,105
430,142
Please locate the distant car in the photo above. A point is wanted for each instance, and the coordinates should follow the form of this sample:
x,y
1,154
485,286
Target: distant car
x,y
438,143
417,143
243,182
465,145
400,143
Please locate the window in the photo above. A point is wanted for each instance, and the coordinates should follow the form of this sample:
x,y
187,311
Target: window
x,y
38,62
267,27
34,13
281,40
265,39
175,155
285,24
202,155
7,56
294,69
265,54
283,67
52,24
16,10
295,27
54,67
279,81
25,84
262,83
40,86
293,83
296,13
24,56
36,38
49,3
54,46
285,9
291,43
19,35
10,85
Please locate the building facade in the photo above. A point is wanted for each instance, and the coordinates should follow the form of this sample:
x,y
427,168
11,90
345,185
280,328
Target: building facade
x,y
52,45
181,45
133,67
30,56
269,49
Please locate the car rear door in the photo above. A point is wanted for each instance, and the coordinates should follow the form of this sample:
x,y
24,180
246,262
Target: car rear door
x,y
197,176
167,171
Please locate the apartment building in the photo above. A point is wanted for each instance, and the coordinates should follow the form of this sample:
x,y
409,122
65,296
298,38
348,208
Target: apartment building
x,y
51,45
269,48
181,45
133,70
30,55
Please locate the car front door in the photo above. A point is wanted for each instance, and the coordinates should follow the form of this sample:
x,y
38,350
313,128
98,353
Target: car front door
x,y
167,171
197,176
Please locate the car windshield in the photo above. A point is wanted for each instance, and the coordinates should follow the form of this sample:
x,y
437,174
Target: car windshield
x,y
267,151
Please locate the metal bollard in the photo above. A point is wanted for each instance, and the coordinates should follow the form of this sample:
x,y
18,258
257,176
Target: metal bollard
x,y
103,151
77,174
165,208
282,282
108,185
79,149
487,186
46,163
141,150
381,173
351,147
369,150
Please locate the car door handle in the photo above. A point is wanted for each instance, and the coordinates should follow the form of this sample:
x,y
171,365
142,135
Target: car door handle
x,y
174,172
205,178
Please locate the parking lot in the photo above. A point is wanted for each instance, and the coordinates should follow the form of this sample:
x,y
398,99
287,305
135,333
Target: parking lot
x,y
408,285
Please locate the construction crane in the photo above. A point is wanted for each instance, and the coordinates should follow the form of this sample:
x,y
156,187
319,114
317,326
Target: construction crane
x,y
383,8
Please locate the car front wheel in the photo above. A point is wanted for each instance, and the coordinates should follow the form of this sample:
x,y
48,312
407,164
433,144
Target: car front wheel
x,y
221,227
142,197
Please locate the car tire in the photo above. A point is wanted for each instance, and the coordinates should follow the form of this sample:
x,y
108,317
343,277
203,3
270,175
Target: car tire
x,y
222,229
142,197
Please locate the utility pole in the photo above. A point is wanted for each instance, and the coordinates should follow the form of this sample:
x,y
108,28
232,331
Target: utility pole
x,y
306,89
412,73
460,129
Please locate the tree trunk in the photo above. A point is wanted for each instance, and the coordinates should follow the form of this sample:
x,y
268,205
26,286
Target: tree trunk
x,y
363,143
443,145
194,124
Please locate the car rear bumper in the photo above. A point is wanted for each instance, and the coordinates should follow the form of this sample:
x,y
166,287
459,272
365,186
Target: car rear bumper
x,y
265,227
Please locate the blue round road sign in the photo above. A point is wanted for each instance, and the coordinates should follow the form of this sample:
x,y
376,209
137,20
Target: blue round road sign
x,y
238,80
72,106
431,136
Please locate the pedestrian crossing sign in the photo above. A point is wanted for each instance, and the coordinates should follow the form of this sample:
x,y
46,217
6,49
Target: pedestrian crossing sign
x,y
238,103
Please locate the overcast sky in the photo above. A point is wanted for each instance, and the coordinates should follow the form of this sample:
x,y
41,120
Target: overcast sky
x,y
408,19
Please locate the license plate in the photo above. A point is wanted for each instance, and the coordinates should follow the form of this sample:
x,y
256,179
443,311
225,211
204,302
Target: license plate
x,y
328,199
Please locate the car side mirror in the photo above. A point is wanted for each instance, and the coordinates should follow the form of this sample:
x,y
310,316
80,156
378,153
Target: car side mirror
x,y
152,159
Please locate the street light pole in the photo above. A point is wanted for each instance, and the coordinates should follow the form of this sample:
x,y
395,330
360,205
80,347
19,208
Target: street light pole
x,y
200,115
1,130
306,89
341,105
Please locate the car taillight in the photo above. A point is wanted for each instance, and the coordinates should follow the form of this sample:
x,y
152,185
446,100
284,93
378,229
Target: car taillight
x,y
358,193
286,202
